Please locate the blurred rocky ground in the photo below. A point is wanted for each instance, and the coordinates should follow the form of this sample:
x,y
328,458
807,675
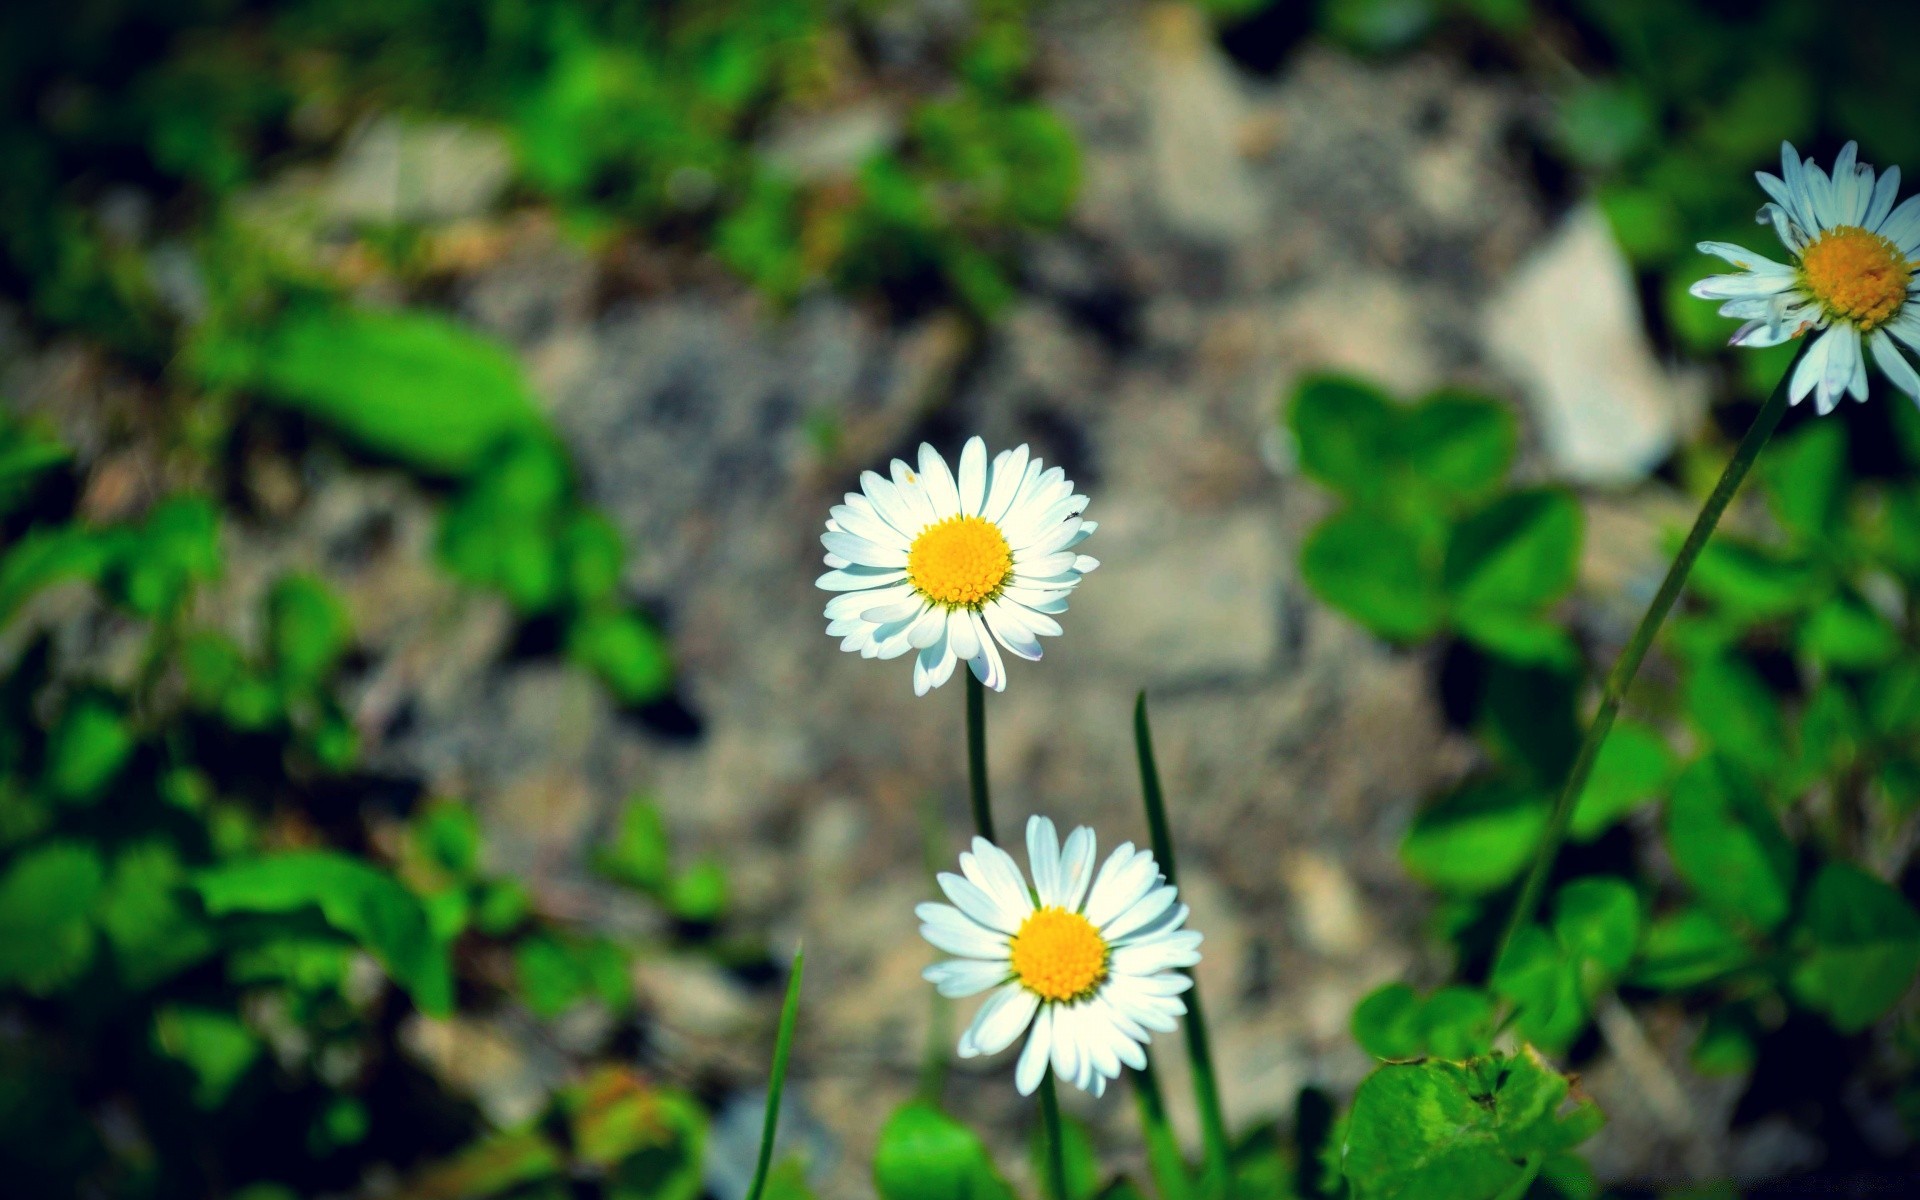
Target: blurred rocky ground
x,y
1237,228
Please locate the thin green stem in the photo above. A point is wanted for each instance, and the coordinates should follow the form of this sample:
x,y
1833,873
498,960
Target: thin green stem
x,y
782,1049
1628,664
1218,1177
977,757
1056,1143
1163,1149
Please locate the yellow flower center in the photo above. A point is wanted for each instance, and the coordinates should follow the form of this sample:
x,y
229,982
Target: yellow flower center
x,y
960,562
1059,955
1859,276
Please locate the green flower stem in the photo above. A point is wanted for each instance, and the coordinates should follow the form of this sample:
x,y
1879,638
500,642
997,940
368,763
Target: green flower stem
x,y
1163,1149
782,1049
1056,1142
977,756
1218,1178
1628,664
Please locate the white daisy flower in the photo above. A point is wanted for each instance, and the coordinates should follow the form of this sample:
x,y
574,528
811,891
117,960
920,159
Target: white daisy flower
x,y
949,567
1090,962
1851,278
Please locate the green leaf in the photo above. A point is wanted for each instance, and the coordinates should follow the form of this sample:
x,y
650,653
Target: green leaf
x,y
409,384
1387,1022
26,452
177,546
87,749
594,556
1520,637
1739,714
1477,839
1860,944
1372,568
640,854
1544,984
46,940
1633,767
1457,1022
1438,1130
1348,434
626,652
1729,846
926,1155
1604,122
1688,948
1845,633
1726,1044
1598,919
1459,446
355,898
1754,583
214,1045
700,892
1519,553
306,629
490,1167
49,555
1806,478
152,934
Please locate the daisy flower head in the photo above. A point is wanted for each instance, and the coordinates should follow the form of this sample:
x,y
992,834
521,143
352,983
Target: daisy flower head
x,y
1850,282
954,568
1088,965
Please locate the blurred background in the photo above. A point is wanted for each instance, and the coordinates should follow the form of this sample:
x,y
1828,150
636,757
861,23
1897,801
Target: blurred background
x,y
421,753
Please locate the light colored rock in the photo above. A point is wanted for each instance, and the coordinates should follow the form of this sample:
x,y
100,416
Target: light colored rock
x,y
1195,115
694,998
1330,914
405,169
483,1062
1568,329
832,145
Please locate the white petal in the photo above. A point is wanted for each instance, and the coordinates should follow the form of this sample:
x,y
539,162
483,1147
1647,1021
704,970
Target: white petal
x,y
1902,226
899,610
852,604
933,666
1893,364
1740,287
1180,949
929,627
988,667
973,476
1066,1044
853,579
1011,631
1140,914
1881,204
960,632
951,930
972,900
995,873
1076,868
938,482
1009,468
1843,359
957,978
889,504
912,490
1123,879
1812,363
1043,860
1744,258
1033,1059
1000,1020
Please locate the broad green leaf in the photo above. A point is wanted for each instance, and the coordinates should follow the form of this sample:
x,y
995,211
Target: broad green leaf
x,y
1726,1043
87,749
699,893
926,1155
1477,839
355,898
1753,583
1688,948
1729,846
1860,947
640,854
1520,637
1457,1022
1544,984
1602,122
1518,553
213,1044
1598,919
626,652
408,384
1373,569
594,556
1739,714
177,546
1632,768
1458,446
152,934
1348,434
1437,1130
306,628
1529,719
26,452
1845,633
1806,477
49,555
46,895
617,1117
1387,1022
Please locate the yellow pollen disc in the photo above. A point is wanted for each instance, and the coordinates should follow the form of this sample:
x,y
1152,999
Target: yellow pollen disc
x,y
1059,955
1859,276
961,562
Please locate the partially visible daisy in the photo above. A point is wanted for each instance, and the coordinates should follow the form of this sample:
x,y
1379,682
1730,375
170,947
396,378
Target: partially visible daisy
x,y
1850,281
948,567
1091,963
